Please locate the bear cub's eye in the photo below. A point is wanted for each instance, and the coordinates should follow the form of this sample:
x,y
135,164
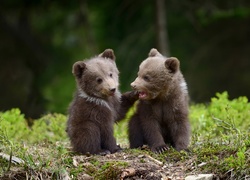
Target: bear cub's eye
x,y
146,78
111,75
99,80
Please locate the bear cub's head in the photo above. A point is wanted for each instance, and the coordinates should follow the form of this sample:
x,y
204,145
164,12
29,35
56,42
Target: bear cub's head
x,y
98,76
155,76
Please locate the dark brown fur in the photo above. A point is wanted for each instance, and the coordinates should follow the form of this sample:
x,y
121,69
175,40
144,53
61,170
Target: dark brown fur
x,y
162,112
97,105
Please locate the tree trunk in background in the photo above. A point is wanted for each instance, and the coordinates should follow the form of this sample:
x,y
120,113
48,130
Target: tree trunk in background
x,y
23,61
161,29
85,20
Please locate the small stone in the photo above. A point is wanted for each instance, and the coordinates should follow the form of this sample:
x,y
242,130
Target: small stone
x,y
75,163
200,177
127,172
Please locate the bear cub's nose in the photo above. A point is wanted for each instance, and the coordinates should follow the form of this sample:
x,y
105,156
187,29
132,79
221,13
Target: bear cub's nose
x,y
112,90
133,85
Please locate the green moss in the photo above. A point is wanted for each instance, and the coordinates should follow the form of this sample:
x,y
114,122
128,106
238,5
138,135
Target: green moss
x,y
110,170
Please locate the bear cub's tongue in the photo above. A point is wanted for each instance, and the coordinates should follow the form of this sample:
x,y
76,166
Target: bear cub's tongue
x,y
142,94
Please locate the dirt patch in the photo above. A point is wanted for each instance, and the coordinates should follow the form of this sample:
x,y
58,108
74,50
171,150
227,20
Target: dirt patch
x,y
127,166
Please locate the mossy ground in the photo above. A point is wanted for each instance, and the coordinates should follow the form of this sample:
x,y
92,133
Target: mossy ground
x,y
220,145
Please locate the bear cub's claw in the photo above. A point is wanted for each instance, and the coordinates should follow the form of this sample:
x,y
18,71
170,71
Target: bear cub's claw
x,y
160,149
118,149
104,152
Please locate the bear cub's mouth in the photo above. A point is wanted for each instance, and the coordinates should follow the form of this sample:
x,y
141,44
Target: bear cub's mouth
x,y
142,94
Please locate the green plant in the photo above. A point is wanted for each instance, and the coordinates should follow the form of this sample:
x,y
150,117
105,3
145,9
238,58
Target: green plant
x,y
50,127
221,131
5,146
15,125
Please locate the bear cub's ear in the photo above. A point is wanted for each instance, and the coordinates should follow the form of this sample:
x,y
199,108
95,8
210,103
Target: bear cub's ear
x,y
108,53
154,52
172,64
78,68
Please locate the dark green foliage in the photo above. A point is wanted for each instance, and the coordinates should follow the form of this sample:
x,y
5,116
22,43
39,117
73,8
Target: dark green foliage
x,y
40,41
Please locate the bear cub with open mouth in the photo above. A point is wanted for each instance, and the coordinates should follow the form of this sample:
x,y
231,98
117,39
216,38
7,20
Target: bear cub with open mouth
x,y
97,104
161,117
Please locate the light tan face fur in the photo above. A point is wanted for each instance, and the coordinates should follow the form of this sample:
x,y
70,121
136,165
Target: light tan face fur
x,y
101,78
97,77
151,80
154,76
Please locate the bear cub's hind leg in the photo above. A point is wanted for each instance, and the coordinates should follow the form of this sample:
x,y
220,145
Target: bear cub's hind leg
x,y
135,132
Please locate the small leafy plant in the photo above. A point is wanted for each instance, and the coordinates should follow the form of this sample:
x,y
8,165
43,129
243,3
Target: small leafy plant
x,y
5,145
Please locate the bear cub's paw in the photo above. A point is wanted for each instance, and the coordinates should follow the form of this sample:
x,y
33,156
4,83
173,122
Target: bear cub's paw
x,y
132,96
160,149
104,152
118,148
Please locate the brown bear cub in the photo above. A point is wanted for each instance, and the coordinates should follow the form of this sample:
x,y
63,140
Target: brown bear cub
x,y
161,117
97,105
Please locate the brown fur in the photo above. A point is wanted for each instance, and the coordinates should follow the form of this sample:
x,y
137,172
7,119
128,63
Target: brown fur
x,y
162,112
96,105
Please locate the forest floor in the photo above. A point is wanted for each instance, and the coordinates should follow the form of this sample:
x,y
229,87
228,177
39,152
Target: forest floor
x,y
57,161
220,145
127,164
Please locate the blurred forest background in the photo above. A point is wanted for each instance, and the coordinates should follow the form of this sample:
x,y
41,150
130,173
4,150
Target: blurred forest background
x,y
41,39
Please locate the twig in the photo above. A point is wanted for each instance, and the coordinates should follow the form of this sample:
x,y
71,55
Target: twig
x,y
9,164
155,160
